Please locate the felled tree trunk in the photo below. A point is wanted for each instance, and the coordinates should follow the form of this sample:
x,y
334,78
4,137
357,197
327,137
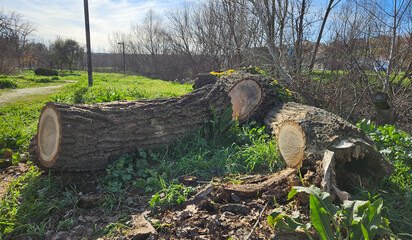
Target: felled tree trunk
x,y
316,139
89,136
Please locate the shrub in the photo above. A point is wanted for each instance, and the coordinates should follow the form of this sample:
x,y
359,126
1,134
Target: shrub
x,y
43,80
46,72
7,83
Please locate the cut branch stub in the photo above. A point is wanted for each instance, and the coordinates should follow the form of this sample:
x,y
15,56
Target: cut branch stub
x,y
291,145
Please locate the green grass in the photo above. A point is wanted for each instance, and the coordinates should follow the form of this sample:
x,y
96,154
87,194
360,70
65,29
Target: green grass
x,y
30,200
33,199
18,120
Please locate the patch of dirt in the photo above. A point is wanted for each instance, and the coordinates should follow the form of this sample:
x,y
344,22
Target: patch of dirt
x,y
9,174
220,209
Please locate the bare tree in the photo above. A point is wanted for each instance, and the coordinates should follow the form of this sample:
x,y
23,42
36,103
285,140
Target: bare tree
x,y
14,38
392,34
266,14
332,4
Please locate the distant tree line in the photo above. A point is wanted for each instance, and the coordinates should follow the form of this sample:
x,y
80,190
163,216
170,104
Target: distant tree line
x,y
19,50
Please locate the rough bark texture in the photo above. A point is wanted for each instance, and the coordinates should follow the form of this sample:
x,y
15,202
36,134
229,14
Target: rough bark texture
x,y
89,136
204,79
318,140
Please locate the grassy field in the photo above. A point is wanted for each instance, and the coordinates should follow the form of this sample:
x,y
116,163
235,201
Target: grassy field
x,y
37,202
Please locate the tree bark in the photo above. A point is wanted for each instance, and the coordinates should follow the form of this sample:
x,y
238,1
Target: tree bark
x,y
324,143
89,136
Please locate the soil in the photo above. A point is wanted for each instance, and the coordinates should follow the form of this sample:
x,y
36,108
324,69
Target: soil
x,y
211,212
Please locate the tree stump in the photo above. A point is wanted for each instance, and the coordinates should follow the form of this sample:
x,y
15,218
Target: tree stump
x,y
316,139
87,137
384,109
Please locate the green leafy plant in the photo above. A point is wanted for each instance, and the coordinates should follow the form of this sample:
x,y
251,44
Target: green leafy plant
x,y
217,126
260,153
142,170
253,70
7,83
353,220
282,93
110,96
170,195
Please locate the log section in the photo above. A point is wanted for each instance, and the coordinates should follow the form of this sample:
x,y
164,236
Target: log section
x,y
75,137
318,140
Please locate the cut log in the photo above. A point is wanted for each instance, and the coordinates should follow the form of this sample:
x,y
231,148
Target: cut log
x,y
85,137
318,140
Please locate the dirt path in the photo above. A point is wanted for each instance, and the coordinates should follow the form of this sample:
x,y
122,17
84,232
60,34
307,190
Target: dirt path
x,y
23,92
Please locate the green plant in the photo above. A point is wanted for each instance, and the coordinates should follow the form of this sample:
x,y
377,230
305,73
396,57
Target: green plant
x,y
140,170
170,195
218,126
253,70
397,190
282,93
353,220
259,153
78,96
7,83
46,72
28,204
110,96
43,80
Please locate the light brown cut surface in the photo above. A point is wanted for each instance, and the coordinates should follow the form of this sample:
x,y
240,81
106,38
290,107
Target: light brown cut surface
x,y
291,142
49,136
245,97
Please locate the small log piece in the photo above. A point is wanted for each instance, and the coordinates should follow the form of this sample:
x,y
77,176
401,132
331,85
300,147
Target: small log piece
x,y
87,137
316,139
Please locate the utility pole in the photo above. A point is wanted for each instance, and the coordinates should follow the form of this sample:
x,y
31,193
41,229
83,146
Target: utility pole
x,y
124,60
89,51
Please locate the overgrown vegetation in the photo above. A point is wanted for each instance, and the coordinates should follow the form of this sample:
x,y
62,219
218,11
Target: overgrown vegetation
x,y
353,220
45,72
35,203
6,83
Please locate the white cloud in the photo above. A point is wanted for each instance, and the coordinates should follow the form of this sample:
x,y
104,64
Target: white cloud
x,y
64,18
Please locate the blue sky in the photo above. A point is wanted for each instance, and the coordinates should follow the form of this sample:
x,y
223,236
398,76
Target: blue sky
x,y
64,18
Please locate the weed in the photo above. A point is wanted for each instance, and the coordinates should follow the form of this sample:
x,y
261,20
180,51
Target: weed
x,y
353,220
29,198
110,96
170,195
283,94
134,171
113,229
397,190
